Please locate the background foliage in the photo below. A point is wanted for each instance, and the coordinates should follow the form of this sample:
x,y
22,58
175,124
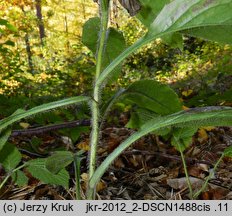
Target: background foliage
x,y
58,65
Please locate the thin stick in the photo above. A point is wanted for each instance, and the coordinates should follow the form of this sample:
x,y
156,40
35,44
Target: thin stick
x,y
47,128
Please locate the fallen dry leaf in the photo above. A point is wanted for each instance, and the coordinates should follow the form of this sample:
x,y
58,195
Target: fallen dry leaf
x,y
202,135
181,183
24,125
84,145
100,186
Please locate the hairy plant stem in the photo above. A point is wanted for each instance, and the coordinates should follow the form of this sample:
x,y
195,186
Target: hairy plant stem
x,y
96,95
208,178
77,167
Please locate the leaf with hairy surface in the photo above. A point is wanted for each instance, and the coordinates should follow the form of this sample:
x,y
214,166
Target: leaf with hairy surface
x,y
10,157
38,169
42,108
196,17
150,9
58,161
154,96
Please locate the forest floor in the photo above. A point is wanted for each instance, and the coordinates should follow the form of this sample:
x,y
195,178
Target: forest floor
x,y
150,169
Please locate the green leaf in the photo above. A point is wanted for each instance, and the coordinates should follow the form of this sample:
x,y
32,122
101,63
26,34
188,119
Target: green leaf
x,y
8,25
221,34
154,96
11,27
35,145
10,43
139,117
115,43
3,21
228,151
39,109
182,137
90,33
58,161
19,178
75,133
38,170
134,121
5,134
185,17
110,102
175,40
150,9
10,156
199,17
195,118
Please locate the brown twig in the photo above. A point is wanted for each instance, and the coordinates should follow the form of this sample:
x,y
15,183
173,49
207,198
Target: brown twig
x,y
44,129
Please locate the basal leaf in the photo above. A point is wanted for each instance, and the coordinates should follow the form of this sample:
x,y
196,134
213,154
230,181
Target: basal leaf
x,y
9,156
19,178
58,161
135,121
38,169
139,117
4,135
182,137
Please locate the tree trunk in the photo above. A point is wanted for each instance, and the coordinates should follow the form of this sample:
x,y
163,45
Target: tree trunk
x,y
40,20
28,48
66,28
29,53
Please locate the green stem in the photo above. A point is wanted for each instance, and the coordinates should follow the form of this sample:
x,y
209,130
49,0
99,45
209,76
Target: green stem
x,y
77,167
186,173
208,178
9,175
96,95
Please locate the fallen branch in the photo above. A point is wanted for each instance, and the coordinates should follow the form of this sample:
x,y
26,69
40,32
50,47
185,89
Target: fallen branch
x,y
44,129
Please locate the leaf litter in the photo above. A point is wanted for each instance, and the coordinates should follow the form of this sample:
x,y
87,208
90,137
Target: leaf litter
x,y
150,169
